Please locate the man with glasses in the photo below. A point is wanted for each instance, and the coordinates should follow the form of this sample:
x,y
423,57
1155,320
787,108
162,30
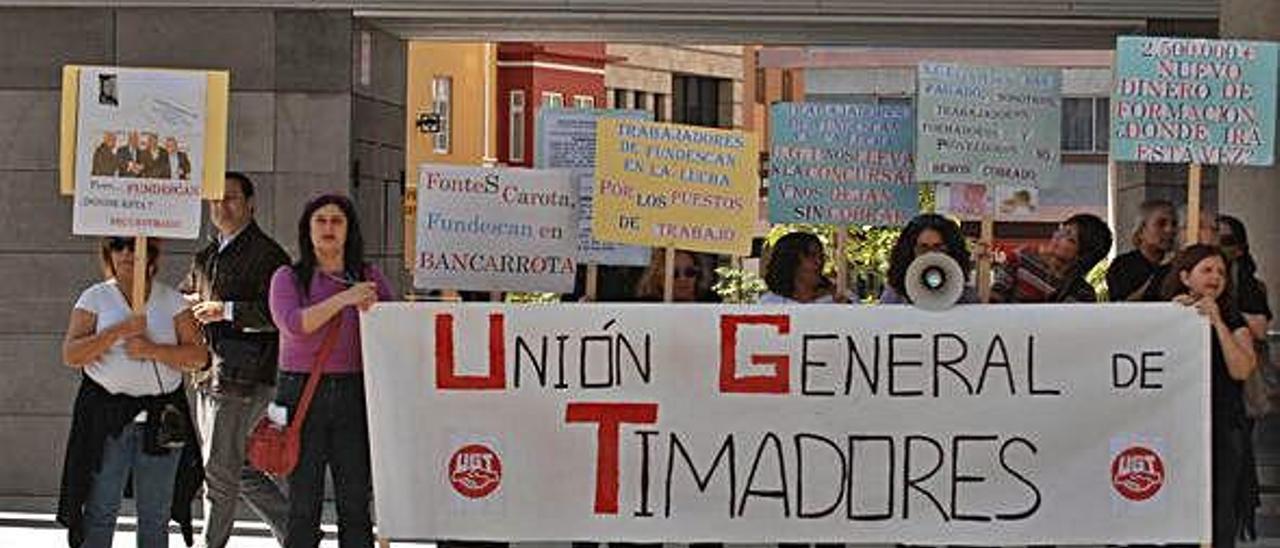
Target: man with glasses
x,y
1136,275
230,279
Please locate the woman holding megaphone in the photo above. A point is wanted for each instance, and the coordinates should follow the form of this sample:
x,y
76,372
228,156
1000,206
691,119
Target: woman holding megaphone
x,y
926,233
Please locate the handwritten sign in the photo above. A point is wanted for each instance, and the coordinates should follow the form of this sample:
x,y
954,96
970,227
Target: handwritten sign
x,y
842,164
566,138
999,425
988,125
495,229
664,185
1194,101
139,157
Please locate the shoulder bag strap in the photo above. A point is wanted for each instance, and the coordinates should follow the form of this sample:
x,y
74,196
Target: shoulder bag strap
x,y
313,380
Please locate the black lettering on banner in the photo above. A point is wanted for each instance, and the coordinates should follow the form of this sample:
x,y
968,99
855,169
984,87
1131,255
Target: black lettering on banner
x,y
1137,371
940,363
910,483
560,383
779,493
645,367
1004,463
873,376
539,365
727,448
844,476
645,511
583,366
895,364
1031,371
805,364
851,505
957,478
997,342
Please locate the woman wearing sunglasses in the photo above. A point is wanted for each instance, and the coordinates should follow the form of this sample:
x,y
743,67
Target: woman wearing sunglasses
x,y
130,417
692,279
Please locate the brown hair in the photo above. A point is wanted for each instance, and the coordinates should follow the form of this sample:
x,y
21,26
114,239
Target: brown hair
x,y
1186,261
104,256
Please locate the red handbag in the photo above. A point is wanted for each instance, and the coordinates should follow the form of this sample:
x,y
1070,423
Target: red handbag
x,y
275,450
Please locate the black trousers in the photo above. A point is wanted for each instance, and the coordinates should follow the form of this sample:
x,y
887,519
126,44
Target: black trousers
x,y
335,437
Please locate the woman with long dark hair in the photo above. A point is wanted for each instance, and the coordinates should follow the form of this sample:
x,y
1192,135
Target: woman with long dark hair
x,y
793,273
320,296
1198,277
928,232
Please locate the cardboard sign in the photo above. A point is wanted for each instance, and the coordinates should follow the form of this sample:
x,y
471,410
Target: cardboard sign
x,y
988,125
666,185
1194,101
495,229
996,425
842,164
566,138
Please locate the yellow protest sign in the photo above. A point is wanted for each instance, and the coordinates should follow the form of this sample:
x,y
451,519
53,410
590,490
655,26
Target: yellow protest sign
x,y
666,185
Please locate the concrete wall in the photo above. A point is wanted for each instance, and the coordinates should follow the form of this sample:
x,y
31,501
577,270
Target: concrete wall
x,y
297,122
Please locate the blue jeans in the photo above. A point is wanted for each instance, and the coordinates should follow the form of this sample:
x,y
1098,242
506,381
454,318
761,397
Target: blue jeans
x,y
153,479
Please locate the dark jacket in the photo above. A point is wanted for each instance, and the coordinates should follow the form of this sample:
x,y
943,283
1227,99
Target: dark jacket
x,y
243,350
99,414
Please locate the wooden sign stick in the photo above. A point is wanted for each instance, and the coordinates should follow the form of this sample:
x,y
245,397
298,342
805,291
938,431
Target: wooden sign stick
x,y
986,239
842,263
669,277
593,282
1193,205
140,275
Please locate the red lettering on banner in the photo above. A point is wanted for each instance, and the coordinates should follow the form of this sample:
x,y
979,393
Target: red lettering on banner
x,y
609,416
777,383
448,379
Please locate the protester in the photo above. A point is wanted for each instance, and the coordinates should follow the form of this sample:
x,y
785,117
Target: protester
x,y
323,291
131,417
1136,275
793,272
1056,274
1198,277
1250,293
230,278
692,282
925,233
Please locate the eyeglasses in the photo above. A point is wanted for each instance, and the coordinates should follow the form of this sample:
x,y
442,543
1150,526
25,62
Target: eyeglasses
x,y
687,272
118,244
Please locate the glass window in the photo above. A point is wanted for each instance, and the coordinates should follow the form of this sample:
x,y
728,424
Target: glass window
x,y
552,99
584,101
515,138
442,93
1077,124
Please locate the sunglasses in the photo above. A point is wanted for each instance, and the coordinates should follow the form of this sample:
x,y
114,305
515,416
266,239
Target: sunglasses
x,y
121,244
687,272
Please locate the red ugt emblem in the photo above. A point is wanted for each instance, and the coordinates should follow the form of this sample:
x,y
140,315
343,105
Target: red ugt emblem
x,y
475,471
1137,473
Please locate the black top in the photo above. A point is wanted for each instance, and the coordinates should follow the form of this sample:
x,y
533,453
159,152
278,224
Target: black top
x,y
244,349
1250,294
1228,393
1130,272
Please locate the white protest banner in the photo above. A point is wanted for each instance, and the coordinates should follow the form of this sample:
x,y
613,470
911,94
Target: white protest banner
x,y
140,142
495,229
999,425
566,139
988,125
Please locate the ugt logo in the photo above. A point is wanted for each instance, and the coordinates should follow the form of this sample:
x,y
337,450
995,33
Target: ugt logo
x,y
475,471
1137,473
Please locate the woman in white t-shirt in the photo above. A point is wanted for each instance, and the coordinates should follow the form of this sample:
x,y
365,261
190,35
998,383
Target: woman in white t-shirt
x,y
794,272
130,414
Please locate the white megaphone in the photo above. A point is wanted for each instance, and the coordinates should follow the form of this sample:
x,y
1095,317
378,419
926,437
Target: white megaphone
x,y
934,281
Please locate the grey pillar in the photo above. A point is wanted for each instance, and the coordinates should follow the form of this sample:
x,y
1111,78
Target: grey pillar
x,y
1251,193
